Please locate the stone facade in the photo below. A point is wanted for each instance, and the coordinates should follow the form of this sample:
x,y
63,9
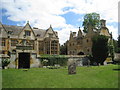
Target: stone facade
x,y
81,44
34,41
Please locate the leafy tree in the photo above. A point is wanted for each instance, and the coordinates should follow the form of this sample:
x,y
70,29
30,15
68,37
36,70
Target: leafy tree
x,y
111,49
100,48
93,19
119,41
5,62
119,44
115,43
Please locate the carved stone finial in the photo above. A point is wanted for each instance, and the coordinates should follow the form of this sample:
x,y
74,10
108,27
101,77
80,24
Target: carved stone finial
x,y
27,21
50,25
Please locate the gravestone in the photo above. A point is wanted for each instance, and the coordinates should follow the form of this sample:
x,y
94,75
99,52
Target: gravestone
x,y
72,68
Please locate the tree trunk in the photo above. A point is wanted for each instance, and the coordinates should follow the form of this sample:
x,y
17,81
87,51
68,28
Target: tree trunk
x,y
3,67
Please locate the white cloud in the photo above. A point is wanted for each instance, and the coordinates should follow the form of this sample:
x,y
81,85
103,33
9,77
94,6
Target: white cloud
x,y
114,31
64,34
42,13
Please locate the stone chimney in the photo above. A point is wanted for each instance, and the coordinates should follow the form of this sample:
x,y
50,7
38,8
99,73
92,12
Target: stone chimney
x,y
74,34
103,23
79,32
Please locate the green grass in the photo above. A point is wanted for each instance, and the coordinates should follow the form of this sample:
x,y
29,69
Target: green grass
x,y
0,79
86,77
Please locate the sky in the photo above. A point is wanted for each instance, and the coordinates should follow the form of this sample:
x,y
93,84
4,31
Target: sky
x,y
63,15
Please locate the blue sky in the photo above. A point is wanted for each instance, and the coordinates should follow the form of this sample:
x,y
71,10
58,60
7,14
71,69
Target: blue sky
x,y
70,17
63,15
73,18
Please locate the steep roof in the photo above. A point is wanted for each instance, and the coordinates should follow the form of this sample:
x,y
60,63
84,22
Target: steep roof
x,y
50,30
39,32
14,29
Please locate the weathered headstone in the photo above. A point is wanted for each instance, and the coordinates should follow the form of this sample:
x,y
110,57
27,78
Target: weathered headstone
x,y
72,68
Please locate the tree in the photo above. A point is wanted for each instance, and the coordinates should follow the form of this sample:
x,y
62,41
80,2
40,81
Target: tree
x,y
119,44
115,43
119,41
100,48
111,49
93,19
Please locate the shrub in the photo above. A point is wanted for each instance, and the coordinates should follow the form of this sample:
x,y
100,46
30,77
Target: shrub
x,y
5,62
55,59
44,62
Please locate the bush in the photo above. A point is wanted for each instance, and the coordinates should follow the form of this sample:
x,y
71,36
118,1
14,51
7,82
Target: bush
x,y
44,62
5,62
53,67
54,59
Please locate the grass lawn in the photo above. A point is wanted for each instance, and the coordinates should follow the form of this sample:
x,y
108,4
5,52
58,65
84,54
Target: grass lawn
x,y
86,77
0,79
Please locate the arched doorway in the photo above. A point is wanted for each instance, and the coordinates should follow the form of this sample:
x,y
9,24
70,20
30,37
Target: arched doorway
x,y
80,53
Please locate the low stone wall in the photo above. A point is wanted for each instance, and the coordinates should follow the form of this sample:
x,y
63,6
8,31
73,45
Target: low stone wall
x,y
80,61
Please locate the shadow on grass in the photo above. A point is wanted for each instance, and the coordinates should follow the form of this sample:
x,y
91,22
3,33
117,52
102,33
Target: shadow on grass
x,y
116,69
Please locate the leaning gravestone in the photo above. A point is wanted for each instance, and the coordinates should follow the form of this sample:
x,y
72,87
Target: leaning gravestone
x,y
72,68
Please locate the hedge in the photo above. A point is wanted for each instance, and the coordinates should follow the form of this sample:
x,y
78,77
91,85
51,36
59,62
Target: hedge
x,y
55,59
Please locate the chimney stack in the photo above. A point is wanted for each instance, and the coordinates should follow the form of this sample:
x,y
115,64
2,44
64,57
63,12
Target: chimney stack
x,y
74,34
103,23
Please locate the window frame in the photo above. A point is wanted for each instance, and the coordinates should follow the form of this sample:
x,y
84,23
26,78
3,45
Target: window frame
x,y
27,33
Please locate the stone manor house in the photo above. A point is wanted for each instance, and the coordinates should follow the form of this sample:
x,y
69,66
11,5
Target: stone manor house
x,y
24,45
81,43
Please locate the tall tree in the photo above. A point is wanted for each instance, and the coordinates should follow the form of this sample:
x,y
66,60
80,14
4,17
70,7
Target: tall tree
x,y
100,48
111,49
93,19
115,43
119,44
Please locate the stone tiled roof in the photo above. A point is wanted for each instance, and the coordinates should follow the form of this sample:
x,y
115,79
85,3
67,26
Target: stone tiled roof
x,y
39,32
15,30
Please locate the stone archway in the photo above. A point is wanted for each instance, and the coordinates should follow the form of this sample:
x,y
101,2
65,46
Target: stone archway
x,y
81,53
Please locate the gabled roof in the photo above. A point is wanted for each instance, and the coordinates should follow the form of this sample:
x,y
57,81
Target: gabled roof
x,y
51,29
39,32
2,26
14,29
28,26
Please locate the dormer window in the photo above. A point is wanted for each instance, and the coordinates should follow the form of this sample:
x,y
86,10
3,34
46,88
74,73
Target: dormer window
x,y
50,35
27,33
